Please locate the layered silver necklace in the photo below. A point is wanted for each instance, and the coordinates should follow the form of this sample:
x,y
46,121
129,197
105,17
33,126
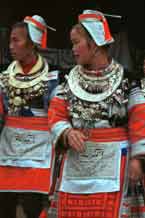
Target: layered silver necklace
x,y
95,89
96,98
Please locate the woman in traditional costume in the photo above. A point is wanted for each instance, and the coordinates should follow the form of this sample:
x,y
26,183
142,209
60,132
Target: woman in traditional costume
x,y
88,118
25,146
136,106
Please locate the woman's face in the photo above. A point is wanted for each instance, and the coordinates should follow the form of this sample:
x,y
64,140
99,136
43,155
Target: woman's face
x,y
83,50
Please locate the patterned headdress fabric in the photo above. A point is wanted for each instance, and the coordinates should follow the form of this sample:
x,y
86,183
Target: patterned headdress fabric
x,y
38,29
97,26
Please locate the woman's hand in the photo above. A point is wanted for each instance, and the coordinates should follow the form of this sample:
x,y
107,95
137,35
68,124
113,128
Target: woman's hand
x,y
135,171
76,140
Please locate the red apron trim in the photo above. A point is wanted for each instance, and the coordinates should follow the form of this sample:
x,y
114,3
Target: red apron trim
x,y
32,123
91,205
24,179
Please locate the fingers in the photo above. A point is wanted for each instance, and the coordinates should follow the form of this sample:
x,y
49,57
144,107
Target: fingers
x,y
135,171
76,140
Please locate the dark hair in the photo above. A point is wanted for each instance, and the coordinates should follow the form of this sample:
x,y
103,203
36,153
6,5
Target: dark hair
x,y
22,25
79,27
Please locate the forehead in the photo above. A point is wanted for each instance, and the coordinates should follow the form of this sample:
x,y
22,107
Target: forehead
x,y
19,32
78,31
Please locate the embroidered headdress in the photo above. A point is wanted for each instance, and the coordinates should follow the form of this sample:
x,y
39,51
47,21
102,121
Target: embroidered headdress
x,y
38,29
97,26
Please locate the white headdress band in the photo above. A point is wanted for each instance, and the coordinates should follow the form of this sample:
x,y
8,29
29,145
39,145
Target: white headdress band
x,y
40,26
97,25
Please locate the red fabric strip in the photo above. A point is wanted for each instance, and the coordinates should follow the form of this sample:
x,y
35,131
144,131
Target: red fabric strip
x,y
24,179
94,16
55,115
32,123
106,134
137,123
100,135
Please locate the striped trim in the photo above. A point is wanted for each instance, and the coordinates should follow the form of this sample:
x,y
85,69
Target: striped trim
x,y
136,98
24,179
106,134
35,123
91,205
